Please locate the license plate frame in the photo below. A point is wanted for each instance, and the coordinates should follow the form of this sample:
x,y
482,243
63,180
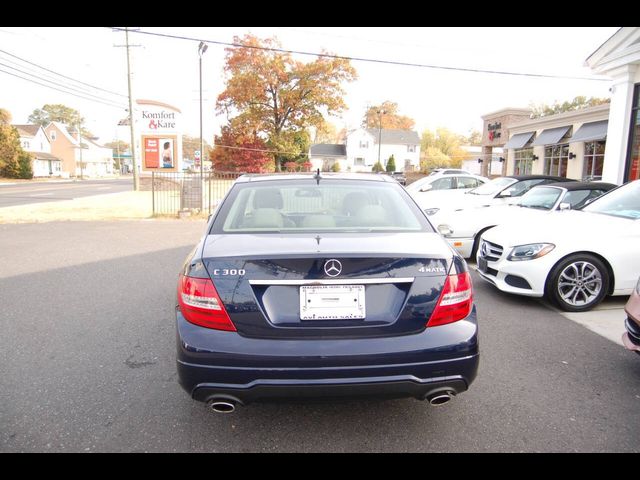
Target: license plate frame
x,y
332,302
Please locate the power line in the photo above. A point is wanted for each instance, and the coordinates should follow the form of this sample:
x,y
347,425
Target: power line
x,y
87,95
370,60
61,75
63,91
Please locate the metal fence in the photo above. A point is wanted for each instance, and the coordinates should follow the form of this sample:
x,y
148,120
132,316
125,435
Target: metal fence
x,y
173,192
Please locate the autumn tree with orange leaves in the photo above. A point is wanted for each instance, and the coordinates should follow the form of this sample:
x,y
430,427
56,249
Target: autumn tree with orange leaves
x,y
270,95
390,119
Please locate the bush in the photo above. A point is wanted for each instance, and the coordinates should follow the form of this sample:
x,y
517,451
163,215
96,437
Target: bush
x,y
335,167
24,166
377,167
391,164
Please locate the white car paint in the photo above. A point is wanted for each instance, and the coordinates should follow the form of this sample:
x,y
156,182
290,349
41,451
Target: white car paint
x,y
613,238
425,197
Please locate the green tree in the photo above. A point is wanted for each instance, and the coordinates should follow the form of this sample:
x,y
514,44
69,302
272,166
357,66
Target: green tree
x,y
391,164
578,103
11,152
390,119
59,113
377,167
272,96
25,169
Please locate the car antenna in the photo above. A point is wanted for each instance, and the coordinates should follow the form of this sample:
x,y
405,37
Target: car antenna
x,y
317,176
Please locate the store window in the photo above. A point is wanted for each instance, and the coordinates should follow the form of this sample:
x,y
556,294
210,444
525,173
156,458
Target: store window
x,y
633,161
556,159
523,161
593,160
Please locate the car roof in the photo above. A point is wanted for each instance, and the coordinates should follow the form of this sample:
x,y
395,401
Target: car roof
x,y
261,177
581,185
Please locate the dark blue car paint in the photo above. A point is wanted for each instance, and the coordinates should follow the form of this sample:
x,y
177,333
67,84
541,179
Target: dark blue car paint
x,y
275,354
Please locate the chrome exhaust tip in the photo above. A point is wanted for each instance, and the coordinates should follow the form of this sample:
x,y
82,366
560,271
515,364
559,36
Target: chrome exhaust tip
x,y
441,398
222,406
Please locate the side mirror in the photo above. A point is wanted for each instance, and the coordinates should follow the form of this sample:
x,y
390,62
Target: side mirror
x,y
564,206
426,188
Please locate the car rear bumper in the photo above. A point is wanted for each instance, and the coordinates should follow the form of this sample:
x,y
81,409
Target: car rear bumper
x,y
225,365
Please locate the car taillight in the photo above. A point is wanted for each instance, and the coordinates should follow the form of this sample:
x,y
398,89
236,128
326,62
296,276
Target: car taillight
x,y
455,301
200,304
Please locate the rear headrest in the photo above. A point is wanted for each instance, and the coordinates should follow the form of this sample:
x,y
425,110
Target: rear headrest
x,y
266,218
354,201
267,198
372,216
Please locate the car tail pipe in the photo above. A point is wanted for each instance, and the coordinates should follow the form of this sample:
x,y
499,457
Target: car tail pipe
x,y
440,397
223,404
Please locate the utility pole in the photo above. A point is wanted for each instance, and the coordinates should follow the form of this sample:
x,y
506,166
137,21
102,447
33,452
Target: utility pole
x,y
136,179
80,146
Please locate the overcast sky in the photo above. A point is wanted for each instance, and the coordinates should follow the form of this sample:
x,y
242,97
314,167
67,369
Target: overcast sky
x,y
167,70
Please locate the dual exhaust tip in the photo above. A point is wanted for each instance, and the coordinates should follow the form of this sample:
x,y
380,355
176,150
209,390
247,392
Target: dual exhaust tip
x,y
225,405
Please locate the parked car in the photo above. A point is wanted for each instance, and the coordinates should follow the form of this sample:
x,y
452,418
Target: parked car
x,y
399,177
574,258
499,191
464,227
449,171
437,189
631,338
322,286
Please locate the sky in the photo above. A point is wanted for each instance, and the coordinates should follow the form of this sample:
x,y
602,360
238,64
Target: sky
x,y
166,70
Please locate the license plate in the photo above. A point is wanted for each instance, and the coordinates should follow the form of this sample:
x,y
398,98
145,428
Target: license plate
x,y
482,264
332,302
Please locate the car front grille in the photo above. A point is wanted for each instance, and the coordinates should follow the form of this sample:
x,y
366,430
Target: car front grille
x,y
490,251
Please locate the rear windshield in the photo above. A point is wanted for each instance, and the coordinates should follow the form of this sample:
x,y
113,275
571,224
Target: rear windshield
x,y
303,205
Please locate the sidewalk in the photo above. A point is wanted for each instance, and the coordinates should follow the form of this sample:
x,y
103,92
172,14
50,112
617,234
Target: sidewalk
x,y
112,206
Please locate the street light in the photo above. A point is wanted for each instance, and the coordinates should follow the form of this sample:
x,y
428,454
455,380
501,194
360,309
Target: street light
x,y
201,49
380,113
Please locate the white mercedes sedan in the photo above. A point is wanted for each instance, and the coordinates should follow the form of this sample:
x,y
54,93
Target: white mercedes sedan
x,y
574,258
463,228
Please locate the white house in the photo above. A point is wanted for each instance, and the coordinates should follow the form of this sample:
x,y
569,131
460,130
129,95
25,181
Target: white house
x,y
325,155
619,59
34,140
365,146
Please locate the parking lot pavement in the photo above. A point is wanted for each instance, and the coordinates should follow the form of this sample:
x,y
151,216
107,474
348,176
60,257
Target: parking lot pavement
x,y
87,363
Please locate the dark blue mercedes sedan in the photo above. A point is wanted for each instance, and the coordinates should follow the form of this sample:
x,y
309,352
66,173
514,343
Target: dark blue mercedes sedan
x,y
323,286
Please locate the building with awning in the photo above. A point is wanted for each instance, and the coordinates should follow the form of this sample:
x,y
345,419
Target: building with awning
x,y
569,144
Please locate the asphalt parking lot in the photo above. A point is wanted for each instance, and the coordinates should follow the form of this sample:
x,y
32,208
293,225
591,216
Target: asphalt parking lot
x,y
87,363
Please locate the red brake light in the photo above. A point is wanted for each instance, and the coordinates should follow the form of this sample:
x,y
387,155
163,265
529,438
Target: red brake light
x,y
201,305
455,302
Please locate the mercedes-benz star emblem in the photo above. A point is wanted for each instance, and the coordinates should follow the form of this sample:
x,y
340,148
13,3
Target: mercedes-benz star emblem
x,y
484,250
333,267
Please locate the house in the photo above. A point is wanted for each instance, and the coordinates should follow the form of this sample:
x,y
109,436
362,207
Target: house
x,y
34,140
363,148
325,155
92,160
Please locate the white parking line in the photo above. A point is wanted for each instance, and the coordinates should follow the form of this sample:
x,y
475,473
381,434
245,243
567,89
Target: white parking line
x,y
104,188
41,194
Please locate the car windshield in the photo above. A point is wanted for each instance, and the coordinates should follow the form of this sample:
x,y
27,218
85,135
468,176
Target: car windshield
x,y
302,205
543,198
621,202
493,187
